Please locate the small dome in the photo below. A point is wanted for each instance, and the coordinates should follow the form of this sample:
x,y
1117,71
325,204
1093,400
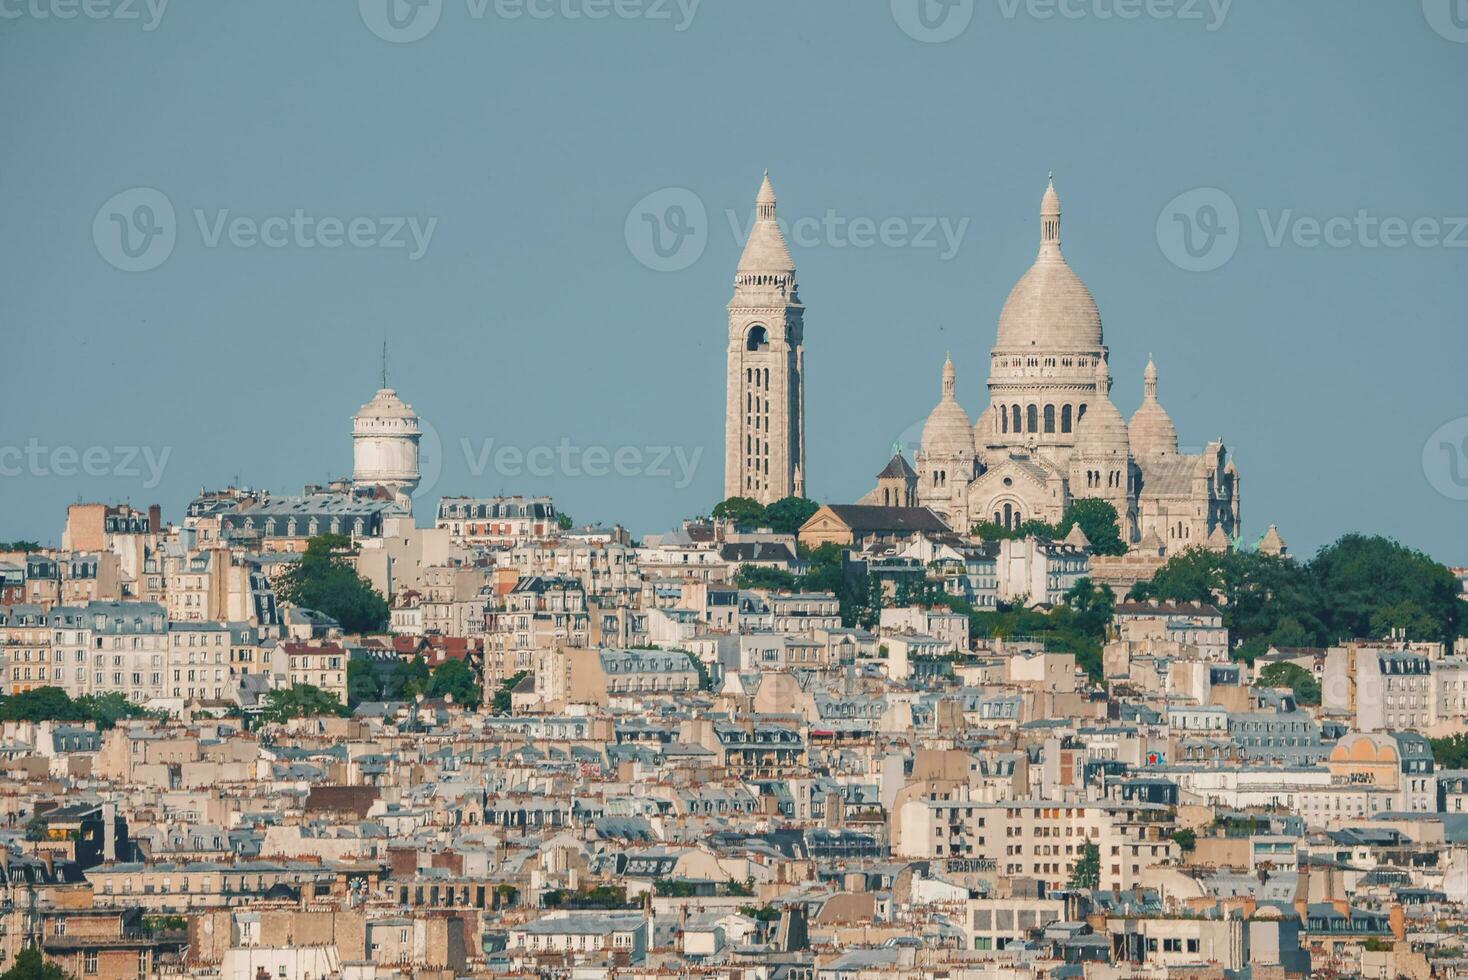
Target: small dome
x,y
947,432
984,426
386,405
1050,307
1102,429
1151,429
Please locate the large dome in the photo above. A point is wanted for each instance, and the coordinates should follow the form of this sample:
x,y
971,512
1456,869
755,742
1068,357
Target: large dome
x,y
947,432
1050,308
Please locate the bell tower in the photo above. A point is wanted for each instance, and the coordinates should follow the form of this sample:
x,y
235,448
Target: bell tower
x,y
764,419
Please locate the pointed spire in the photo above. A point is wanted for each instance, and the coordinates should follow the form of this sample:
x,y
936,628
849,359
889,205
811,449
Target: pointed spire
x,y
950,376
766,252
1149,380
1050,216
765,201
1103,378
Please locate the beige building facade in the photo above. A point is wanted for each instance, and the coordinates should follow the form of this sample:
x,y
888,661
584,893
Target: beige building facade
x,y
764,421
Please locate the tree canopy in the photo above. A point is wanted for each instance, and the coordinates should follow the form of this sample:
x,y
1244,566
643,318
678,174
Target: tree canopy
x,y
1358,587
1097,519
54,704
454,678
859,595
327,582
783,516
23,544
31,965
1300,681
787,516
740,510
300,701
1087,871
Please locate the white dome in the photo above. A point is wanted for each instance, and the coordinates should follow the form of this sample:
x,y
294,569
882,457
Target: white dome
x,y
1102,429
1050,308
947,431
1151,429
385,405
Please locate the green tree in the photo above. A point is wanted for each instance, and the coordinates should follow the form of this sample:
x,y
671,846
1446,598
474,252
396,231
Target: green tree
x,y
40,704
454,677
789,515
1186,839
328,582
564,522
24,545
740,510
1299,680
1372,585
1098,522
410,678
766,577
1450,752
300,701
502,703
1087,872
1264,599
30,965
106,710
363,682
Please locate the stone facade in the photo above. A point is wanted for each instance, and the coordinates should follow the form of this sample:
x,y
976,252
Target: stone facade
x,y
764,421
1051,434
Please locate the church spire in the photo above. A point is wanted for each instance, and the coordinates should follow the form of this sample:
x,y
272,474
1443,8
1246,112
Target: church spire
x,y
1149,380
950,376
765,252
765,201
1050,216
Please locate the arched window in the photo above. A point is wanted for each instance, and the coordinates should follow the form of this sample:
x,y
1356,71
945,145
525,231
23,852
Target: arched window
x,y
1032,414
757,338
1065,418
1014,418
1049,418
1080,414
1003,420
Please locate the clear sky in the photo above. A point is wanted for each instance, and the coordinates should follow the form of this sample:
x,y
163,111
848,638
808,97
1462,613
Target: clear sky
x,y
474,195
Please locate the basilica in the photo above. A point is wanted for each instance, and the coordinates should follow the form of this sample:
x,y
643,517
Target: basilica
x,y
1051,435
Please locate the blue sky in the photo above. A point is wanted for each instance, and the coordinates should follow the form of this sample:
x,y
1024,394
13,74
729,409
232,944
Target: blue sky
x,y
299,150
